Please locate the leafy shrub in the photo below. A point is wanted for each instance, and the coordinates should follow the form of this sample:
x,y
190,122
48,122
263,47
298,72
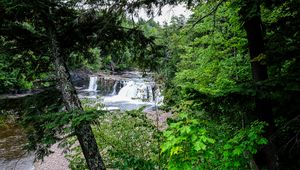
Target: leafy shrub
x,y
126,141
185,141
238,150
192,143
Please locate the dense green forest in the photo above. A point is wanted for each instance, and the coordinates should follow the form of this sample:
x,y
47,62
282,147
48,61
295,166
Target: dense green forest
x,y
230,76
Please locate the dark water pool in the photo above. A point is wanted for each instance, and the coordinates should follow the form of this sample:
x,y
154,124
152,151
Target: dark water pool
x,y
13,156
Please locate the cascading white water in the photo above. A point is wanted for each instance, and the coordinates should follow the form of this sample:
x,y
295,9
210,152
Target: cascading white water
x,y
114,88
138,91
125,94
133,91
129,91
93,84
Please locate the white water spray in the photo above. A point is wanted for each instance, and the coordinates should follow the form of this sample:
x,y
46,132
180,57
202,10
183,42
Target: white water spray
x,y
93,84
129,91
114,89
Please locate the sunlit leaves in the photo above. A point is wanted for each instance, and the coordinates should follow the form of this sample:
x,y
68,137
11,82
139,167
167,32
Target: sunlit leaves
x,y
198,144
215,57
185,142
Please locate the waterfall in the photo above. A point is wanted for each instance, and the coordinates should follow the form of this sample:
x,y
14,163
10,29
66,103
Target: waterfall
x,y
132,91
93,84
123,92
128,91
115,88
141,91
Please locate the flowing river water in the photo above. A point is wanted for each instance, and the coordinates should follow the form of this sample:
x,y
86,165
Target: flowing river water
x,y
123,92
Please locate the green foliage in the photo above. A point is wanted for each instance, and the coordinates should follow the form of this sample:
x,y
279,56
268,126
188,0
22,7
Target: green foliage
x,y
212,76
127,141
238,150
216,60
18,71
75,156
186,140
192,143
47,128
94,38
205,68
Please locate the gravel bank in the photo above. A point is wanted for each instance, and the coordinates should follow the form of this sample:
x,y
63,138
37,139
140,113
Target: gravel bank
x,y
55,161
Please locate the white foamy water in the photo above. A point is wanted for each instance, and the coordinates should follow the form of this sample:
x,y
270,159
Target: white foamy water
x,y
93,84
128,94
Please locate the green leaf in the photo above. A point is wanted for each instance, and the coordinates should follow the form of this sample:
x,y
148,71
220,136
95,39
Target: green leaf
x,y
185,129
227,146
262,141
199,145
237,151
236,164
210,140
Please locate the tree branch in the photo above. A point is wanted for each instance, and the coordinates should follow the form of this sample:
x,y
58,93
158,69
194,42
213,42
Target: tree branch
x,y
208,14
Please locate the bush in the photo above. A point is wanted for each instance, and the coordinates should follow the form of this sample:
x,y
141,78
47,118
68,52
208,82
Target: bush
x,y
126,141
200,144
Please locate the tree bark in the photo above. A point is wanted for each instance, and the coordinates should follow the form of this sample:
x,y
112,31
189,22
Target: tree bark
x,y
268,156
71,101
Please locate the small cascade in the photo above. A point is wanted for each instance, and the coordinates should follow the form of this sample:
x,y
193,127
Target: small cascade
x,y
114,92
93,84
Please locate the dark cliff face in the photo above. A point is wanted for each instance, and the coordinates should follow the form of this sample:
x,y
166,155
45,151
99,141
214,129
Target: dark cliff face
x,y
80,77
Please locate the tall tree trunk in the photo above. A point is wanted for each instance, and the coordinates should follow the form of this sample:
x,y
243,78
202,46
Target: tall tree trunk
x,y
83,131
250,13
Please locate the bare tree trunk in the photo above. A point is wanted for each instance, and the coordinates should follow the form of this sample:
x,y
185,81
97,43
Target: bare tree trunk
x,y
83,131
253,25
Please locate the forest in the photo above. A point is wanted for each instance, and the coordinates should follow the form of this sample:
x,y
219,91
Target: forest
x,y
91,84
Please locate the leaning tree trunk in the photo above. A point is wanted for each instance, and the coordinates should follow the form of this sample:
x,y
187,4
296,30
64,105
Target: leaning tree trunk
x,y
83,131
253,25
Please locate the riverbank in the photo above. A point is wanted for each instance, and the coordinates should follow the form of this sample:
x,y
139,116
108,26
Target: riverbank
x,y
55,161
